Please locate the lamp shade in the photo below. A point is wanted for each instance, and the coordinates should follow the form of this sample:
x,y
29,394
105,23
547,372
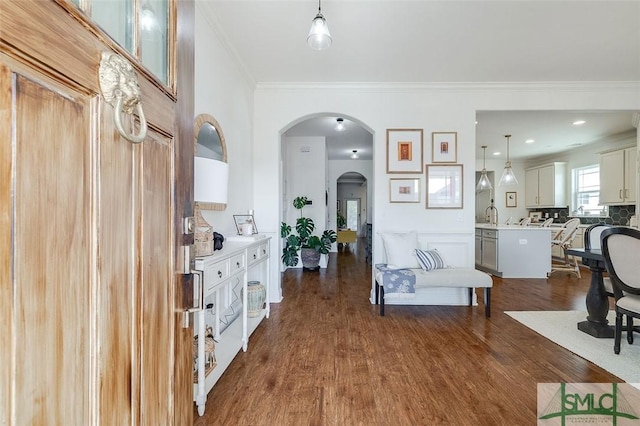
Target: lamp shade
x,y
508,178
319,37
484,183
211,180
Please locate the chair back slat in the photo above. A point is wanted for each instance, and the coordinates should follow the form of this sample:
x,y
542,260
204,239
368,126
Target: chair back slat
x,y
568,232
547,223
621,251
592,236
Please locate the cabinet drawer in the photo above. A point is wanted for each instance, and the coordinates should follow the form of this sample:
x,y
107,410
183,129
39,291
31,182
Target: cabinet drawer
x,y
263,250
253,255
258,252
489,233
216,273
236,263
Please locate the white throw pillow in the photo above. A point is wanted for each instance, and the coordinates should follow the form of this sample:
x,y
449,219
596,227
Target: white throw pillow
x,y
401,250
430,259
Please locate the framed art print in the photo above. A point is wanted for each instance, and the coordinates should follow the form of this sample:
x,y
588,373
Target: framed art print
x,y
511,199
404,190
244,220
444,147
404,150
535,215
444,186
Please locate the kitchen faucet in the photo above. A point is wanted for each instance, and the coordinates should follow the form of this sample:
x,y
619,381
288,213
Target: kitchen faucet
x,y
491,214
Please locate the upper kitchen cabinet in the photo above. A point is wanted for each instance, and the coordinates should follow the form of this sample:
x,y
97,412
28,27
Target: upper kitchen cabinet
x,y
545,186
617,177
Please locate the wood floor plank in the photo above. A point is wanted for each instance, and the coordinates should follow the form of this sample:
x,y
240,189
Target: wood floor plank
x,y
325,356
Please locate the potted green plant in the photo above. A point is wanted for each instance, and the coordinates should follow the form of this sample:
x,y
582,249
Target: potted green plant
x,y
341,221
310,246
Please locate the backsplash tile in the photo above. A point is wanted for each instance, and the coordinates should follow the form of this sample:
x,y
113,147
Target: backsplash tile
x,y
618,215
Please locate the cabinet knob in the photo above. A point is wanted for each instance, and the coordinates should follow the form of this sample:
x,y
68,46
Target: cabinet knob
x,y
237,264
254,255
219,274
620,194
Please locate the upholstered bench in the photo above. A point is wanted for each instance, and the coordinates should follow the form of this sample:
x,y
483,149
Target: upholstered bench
x,y
413,276
448,277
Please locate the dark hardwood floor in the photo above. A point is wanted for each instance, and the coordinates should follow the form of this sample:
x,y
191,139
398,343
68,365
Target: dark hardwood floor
x,y
325,356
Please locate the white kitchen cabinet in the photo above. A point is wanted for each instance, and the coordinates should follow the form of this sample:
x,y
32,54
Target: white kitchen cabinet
x,y
545,186
487,249
617,177
225,275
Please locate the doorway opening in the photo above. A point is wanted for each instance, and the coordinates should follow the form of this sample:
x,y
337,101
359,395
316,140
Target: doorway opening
x,y
317,160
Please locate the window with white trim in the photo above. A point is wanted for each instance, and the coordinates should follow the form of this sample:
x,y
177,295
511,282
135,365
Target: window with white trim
x,y
586,192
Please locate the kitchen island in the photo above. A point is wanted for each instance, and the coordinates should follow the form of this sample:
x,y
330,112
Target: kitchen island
x,y
513,251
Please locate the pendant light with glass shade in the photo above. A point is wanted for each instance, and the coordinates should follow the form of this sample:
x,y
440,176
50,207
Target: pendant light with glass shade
x,y
484,183
508,177
319,37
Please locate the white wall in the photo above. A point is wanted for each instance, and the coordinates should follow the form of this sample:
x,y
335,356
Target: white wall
x,y
430,107
305,166
222,91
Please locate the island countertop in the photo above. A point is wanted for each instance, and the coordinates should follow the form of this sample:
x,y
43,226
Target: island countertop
x,y
513,227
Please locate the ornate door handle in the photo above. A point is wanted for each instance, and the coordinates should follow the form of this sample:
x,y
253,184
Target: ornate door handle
x,y
119,86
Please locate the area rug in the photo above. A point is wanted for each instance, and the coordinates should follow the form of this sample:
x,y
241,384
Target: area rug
x,y
561,328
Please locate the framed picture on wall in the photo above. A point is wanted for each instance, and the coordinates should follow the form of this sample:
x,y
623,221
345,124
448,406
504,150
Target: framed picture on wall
x,y
404,190
444,186
511,199
444,147
404,150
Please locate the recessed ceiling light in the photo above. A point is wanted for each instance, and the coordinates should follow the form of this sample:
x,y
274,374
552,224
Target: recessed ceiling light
x,y
529,141
339,124
355,154
496,153
578,122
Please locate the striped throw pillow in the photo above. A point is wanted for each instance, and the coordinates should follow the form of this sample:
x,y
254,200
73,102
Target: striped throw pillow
x,y
430,259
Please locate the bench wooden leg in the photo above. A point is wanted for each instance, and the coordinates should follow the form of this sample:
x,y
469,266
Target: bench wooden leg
x,y
380,297
487,302
471,296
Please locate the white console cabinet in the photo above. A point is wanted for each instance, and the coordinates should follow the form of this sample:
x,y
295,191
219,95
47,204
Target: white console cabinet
x,y
225,275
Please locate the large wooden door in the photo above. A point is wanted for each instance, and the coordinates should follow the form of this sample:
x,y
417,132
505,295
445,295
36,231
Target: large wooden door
x,y
90,298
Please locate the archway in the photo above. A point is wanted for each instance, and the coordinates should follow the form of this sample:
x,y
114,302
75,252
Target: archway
x,y
314,154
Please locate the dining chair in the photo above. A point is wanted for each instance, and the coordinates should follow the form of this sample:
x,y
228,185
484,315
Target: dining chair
x,y
620,248
547,223
525,222
592,242
563,239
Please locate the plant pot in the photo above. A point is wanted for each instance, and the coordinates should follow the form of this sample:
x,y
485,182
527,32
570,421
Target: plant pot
x,y
310,258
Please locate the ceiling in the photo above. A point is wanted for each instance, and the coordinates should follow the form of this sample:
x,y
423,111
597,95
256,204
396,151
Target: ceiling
x,y
431,42
551,131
